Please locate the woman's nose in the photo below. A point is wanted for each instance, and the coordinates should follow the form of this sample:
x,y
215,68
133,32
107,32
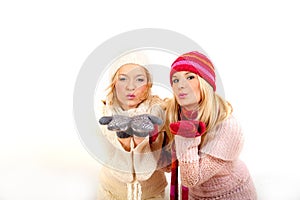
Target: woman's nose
x,y
181,84
130,85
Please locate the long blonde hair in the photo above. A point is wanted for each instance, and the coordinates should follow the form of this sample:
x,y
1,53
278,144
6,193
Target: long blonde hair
x,y
212,108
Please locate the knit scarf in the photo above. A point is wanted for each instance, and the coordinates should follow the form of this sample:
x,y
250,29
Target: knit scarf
x,y
186,115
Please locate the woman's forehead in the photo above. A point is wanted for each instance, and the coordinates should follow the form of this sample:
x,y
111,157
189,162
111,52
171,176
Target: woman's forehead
x,y
132,69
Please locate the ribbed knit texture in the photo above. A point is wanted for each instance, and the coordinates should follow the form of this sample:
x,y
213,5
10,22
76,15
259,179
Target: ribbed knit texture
x,y
111,188
225,141
219,174
187,148
197,63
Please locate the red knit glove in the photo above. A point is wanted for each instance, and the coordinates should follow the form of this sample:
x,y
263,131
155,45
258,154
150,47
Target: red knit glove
x,y
188,128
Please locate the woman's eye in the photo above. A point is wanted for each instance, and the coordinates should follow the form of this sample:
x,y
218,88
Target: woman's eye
x,y
190,77
122,79
175,80
140,80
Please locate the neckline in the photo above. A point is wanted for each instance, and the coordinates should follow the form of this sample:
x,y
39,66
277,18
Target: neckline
x,y
188,114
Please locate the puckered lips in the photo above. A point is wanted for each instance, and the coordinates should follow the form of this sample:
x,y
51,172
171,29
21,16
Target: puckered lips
x,y
130,96
182,95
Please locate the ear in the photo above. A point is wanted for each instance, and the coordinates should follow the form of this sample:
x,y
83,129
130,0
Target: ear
x,y
105,120
155,120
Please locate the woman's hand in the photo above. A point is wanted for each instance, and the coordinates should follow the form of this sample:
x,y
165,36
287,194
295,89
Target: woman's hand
x,y
140,125
143,125
118,123
188,128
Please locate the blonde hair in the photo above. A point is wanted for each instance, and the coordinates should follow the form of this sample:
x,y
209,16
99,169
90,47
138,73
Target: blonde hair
x,y
111,92
212,108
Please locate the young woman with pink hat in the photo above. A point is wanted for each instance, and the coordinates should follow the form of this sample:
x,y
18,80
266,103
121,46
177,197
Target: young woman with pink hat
x,y
207,137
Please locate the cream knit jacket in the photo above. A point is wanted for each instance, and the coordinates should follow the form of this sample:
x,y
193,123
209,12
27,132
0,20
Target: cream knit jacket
x,y
215,172
132,174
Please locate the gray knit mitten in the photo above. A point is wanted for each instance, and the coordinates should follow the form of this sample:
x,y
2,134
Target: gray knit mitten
x,y
143,124
118,123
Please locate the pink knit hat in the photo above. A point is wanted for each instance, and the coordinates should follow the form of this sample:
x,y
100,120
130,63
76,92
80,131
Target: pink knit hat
x,y
197,63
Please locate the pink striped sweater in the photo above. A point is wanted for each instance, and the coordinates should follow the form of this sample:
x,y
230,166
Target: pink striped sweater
x,y
215,172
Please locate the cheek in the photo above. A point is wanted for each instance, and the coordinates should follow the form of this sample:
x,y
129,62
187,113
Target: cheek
x,y
196,90
142,90
195,87
119,88
174,89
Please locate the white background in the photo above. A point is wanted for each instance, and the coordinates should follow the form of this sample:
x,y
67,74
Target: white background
x,y
254,45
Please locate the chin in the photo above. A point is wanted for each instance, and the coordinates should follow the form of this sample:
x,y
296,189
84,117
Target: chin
x,y
132,104
183,103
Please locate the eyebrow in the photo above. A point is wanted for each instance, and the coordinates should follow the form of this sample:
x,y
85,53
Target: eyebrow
x,y
186,73
140,75
135,76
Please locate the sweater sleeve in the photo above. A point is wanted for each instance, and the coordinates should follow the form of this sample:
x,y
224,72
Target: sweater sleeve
x,y
117,158
147,154
198,172
225,141
220,146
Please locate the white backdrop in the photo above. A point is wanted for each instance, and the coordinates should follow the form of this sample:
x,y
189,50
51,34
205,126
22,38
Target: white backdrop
x,y
254,45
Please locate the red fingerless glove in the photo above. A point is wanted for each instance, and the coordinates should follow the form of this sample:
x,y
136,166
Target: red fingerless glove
x,y
188,128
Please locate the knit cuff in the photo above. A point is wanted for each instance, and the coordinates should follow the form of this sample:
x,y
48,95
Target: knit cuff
x,y
190,156
187,147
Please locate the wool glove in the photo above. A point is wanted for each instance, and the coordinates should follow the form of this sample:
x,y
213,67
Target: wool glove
x,y
187,138
145,124
118,123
